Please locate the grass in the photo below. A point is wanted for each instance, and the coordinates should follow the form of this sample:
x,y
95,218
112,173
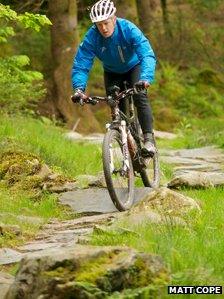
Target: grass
x,y
195,133
166,172
49,143
194,255
14,204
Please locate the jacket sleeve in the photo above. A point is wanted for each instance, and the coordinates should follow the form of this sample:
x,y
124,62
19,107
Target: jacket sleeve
x,y
144,52
83,62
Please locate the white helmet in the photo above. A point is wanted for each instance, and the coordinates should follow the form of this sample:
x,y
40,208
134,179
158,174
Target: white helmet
x,y
102,10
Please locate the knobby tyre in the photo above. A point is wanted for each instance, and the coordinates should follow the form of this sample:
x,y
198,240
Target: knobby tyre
x,y
120,185
150,174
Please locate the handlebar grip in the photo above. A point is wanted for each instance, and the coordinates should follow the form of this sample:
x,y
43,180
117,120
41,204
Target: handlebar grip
x,y
87,100
74,99
140,86
77,100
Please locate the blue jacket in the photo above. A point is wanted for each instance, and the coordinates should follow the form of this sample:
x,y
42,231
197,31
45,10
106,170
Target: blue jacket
x,y
119,53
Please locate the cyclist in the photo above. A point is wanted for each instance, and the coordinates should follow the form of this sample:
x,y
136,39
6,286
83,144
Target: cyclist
x,y
126,55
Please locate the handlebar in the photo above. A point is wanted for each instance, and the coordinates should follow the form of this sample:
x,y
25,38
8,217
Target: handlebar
x,y
96,99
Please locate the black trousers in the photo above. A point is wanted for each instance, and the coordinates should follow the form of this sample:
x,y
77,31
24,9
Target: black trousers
x,y
140,100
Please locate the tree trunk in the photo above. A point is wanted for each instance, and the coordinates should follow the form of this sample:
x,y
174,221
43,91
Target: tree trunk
x,y
64,41
146,9
166,21
127,9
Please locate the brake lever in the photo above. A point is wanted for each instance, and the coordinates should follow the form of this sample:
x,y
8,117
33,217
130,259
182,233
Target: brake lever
x,y
93,102
136,91
111,102
81,102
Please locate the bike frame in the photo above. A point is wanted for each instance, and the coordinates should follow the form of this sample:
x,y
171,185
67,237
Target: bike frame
x,y
126,125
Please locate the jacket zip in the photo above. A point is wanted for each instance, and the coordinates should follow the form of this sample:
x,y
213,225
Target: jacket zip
x,y
121,54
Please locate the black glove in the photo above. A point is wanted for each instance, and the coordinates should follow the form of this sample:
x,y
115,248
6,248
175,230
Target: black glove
x,y
141,85
79,97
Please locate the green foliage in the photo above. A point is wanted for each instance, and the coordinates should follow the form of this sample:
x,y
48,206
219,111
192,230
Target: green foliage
x,y
20,88
178,95
205,4
197,38
27,20
35,45
193,133
7,14
5,33
32,21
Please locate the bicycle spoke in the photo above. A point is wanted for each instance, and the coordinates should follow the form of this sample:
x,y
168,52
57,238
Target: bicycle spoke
x,y
118,172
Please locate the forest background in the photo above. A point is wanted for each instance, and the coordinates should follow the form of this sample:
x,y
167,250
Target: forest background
x,y
187,37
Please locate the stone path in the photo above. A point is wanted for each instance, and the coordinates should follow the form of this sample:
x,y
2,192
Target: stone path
x,y
199,167
96,203
95,200
195,167
202,159
98,137
58,234
5,281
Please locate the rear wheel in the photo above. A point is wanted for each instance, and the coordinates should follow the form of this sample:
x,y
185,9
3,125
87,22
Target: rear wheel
x,y
150,174
118,173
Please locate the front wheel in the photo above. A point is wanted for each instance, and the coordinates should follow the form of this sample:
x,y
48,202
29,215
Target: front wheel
x,y
118,172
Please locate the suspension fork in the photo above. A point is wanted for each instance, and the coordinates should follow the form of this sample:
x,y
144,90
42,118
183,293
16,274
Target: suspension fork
x,y
124,140
121,126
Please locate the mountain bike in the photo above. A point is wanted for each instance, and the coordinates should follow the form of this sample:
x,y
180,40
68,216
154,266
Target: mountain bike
x,y
122,151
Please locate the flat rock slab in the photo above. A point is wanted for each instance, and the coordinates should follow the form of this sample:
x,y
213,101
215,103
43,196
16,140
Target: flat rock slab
x,y
56,236
94,138
198,167
177,160
204,167
207,153
96,200
9,256
164,135
197,179
200,153
5,282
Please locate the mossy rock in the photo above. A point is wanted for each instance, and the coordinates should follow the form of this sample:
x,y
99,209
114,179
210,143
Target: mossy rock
x,y
18,171
168,204
22,171
91,272
14,164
